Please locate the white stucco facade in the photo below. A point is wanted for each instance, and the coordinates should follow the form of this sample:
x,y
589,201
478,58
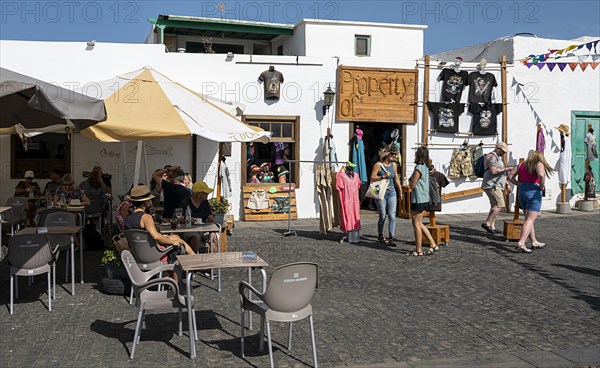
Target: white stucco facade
x,y
401,47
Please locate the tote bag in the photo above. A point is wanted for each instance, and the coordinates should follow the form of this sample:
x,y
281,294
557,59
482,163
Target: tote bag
x,y
377,189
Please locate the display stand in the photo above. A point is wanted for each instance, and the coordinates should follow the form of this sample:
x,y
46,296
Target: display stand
x,y
439,233
563,207
512,229
289,231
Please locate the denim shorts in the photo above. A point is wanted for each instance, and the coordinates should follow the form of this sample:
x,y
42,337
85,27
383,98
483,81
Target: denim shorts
x,y
418,207
530,197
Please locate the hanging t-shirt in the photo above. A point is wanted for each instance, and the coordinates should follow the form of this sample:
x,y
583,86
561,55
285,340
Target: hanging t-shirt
x,y
272,81
445,116
485,120
453,84
480,87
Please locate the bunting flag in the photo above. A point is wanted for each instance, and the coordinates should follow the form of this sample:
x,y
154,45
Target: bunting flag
x,y
558,53
573,65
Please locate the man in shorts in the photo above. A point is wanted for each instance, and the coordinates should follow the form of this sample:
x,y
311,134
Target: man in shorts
x,y
493,183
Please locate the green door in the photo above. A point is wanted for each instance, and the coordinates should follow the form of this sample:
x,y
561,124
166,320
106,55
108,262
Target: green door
x,y
579,125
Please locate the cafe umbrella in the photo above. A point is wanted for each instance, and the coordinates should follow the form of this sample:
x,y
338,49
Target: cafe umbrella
x,y
31,104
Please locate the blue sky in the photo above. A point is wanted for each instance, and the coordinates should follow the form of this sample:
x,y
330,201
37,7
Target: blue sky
x,y
452,24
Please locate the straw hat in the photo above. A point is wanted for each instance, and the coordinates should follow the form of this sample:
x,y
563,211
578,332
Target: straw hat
x,y
201,187
563,128
28,174
140,193
265,166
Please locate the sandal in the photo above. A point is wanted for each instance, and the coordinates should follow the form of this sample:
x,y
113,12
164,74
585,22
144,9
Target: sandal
x,y
523,248
434,249
390,242
417,254
538,245
382,239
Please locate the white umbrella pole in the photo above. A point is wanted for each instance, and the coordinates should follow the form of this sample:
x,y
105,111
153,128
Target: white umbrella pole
x,y
146,163
138,162
124,152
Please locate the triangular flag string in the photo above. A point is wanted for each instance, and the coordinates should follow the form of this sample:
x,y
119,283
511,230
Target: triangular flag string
x,y
556,53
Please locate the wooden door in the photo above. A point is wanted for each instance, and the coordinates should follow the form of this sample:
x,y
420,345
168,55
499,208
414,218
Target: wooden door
x,y
580,121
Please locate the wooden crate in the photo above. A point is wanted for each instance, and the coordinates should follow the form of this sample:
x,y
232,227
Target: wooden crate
x,y
269,214
512,230
439,233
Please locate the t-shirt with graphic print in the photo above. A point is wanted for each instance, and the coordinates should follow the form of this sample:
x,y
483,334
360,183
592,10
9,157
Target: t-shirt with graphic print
x,y
453,84
445,116
272,80
485,118
480,87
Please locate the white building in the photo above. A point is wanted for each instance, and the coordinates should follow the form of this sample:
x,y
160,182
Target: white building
x,y
308,65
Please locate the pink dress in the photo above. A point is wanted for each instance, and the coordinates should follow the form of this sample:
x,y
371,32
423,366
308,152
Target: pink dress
x,y
349,201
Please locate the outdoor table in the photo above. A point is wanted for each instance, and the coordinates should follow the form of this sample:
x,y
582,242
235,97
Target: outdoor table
x,y
197,228
59,230
2,210
80,211
195,262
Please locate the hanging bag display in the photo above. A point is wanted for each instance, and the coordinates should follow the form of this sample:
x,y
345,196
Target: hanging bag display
x,y
377,189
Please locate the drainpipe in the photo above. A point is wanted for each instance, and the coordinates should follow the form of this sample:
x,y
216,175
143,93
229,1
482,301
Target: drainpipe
x,y
162,33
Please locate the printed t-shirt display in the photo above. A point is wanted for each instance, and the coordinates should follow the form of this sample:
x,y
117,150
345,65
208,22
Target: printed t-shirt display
x,y
272,80
445,116
485,120
349,201
480,87
453,84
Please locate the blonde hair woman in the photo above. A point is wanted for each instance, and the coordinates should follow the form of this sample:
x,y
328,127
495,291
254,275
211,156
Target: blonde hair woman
x,y
386,169
531,178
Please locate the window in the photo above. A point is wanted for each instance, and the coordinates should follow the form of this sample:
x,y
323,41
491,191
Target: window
x,y
284,145
41,154
362,45
216,48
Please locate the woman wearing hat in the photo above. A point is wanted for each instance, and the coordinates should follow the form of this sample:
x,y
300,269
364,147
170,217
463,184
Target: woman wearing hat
x,y
140,218
69,191
386,169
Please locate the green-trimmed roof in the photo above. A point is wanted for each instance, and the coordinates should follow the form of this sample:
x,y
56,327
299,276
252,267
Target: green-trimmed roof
x,y
210,27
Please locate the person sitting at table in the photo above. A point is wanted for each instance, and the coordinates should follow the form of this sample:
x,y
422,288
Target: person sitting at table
x,y
174,191
68,191
140,218
53,184
28,188
200,208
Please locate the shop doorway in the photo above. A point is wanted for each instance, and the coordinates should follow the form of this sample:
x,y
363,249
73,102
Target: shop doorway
x,y
581,121
375,137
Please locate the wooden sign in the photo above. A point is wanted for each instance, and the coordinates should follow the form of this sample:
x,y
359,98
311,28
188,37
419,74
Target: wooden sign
x,y
377,95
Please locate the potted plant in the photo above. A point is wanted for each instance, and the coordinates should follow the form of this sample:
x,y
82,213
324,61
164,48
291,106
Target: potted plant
x,y
116,280
219,208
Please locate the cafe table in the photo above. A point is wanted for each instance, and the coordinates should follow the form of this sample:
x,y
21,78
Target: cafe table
x,y
58,230
191,263
209,227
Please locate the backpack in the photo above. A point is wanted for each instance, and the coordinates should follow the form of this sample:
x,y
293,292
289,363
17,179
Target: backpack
x,y
479,166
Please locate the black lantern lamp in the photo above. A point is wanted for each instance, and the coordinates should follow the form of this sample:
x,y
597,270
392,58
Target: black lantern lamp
x,y
328,97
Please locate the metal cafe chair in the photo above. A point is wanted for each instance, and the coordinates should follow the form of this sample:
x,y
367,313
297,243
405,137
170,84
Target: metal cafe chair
x,y
287,299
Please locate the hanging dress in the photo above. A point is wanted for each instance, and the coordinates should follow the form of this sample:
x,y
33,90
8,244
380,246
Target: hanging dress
x,y
350,203
564,162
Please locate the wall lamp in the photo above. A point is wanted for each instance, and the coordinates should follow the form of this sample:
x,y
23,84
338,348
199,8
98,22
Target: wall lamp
x,y
328,97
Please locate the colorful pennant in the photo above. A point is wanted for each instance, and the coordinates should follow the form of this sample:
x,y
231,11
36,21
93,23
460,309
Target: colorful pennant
x,y
558,53
572,65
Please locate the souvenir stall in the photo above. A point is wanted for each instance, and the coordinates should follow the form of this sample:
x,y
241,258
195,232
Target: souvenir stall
x,y
464,126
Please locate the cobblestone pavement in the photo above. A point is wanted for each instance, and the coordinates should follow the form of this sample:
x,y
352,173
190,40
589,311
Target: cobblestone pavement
x,y
475,303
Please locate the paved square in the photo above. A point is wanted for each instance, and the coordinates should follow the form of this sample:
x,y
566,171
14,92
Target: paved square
x,y
476,303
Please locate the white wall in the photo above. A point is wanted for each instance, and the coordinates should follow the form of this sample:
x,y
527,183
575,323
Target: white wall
x,y
551,96
210,74
387,41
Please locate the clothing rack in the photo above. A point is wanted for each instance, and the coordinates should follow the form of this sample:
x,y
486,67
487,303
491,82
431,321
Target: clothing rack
x,y
289,231
455,145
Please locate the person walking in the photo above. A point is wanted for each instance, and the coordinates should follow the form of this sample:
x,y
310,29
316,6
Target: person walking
x,y
419,199
494,180
386,169
531,177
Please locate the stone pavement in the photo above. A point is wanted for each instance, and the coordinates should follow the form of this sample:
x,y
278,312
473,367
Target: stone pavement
x,y
476,303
